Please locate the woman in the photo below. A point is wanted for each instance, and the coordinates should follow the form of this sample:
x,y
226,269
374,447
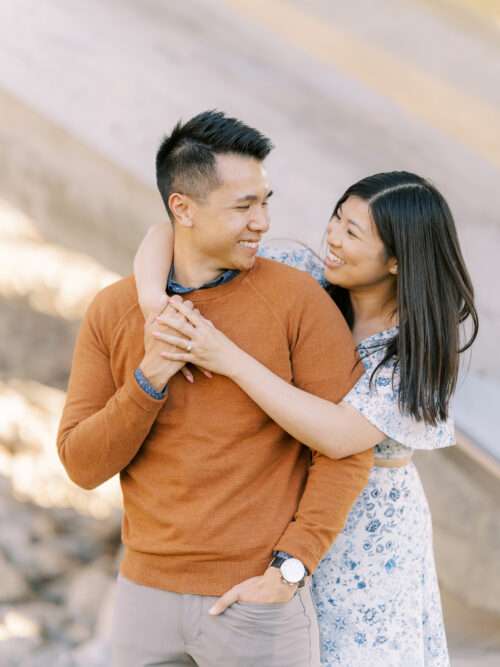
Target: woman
x,y
395,269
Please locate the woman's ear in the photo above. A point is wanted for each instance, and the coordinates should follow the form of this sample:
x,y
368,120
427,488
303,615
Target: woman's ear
x,y
393,266
181,207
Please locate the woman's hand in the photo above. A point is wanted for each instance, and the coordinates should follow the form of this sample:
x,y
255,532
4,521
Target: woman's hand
x,y
163,307
201,343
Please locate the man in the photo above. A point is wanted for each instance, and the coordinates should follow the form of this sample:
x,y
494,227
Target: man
x,y
218,499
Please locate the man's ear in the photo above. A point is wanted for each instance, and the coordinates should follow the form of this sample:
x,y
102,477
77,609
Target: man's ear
x,y
182,209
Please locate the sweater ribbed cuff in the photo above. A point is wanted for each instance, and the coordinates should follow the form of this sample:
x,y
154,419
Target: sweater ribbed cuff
x,y
141,398
298,543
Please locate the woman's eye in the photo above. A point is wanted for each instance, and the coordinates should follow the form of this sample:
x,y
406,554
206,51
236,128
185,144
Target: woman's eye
x,y
242,208
351,234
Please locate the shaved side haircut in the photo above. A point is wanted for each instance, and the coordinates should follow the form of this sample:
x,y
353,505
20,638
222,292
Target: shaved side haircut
x,y
186,159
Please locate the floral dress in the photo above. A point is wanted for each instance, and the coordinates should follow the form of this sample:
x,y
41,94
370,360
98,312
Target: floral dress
x,y
376,592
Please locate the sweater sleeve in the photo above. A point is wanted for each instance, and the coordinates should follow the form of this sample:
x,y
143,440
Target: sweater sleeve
x,y
102,426
325,364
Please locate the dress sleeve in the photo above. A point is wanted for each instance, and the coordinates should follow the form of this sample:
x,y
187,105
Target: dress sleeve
x,y
296,256
379,404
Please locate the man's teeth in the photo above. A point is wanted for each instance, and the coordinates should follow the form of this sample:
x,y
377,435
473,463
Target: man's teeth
x,y
333,258
249,244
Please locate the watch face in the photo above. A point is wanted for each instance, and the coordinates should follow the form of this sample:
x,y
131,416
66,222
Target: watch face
x,y
293,570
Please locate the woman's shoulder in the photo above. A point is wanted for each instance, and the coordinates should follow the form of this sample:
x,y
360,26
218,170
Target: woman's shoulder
x,y
296,256
376,396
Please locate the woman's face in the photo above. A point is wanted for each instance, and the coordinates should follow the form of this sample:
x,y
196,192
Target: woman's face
x,y
356,255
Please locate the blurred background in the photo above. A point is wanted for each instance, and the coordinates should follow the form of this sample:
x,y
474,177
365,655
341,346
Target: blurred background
x,y
344,89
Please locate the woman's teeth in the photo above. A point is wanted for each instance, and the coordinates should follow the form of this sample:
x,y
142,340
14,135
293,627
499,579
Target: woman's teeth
x,y
332,257
249,244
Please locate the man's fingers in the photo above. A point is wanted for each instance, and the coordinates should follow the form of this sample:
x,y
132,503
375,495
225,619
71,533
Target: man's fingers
x,y
224,602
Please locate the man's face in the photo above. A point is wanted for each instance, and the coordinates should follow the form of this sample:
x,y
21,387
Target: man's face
x,y
229,224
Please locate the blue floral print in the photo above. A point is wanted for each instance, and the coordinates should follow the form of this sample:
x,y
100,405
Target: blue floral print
x,y
376,592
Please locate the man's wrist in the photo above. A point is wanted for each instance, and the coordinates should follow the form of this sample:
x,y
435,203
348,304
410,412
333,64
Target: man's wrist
x,y
285,554
158,379
274,575
292,569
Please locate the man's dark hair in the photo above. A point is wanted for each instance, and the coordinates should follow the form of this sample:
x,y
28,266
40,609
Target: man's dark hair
x,y
186,160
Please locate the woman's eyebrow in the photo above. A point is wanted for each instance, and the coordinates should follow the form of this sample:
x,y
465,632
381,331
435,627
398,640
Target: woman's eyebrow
x,y
356,224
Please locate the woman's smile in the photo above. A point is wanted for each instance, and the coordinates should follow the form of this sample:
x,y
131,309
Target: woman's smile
x,y
332,260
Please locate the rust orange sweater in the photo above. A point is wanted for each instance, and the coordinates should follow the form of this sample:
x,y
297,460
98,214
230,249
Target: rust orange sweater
x,y
211,485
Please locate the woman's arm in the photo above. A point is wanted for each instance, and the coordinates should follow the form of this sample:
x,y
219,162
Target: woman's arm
x,y
334,430
151,267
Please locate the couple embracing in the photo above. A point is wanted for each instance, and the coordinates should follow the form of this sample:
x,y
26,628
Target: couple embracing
x,y
261,406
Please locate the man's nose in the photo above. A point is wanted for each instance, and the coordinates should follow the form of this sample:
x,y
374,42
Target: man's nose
x,y
260,221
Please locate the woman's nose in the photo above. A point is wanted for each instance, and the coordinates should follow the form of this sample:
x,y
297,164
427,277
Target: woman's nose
x,y
334,235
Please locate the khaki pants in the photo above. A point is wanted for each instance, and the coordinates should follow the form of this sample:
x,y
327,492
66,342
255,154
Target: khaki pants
x,y
156,627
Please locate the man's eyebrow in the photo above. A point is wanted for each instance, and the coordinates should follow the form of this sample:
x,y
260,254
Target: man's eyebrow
x,y
254,197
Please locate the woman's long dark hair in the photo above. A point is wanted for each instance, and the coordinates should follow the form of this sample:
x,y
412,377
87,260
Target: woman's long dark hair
x,y
434,291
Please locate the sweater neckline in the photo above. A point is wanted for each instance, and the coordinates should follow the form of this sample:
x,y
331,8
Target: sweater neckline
x,y
201,295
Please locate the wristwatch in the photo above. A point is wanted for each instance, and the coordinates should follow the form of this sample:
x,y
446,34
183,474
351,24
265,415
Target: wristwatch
x,y
293,571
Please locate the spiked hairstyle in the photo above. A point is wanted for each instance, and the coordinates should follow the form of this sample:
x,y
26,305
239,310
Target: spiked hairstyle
x,y
186,159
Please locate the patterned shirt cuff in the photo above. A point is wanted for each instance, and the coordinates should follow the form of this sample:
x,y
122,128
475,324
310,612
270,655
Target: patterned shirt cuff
x,y
146,386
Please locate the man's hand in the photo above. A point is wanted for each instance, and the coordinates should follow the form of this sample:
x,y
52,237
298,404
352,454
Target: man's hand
x,y
156,369
261,590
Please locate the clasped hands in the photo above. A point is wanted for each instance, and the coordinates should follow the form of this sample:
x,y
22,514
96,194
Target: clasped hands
x,y
192,339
